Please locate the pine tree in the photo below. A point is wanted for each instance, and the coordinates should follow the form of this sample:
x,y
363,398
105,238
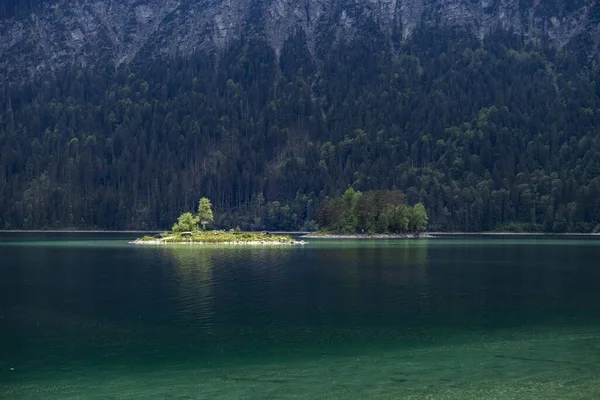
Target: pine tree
x,y
205,214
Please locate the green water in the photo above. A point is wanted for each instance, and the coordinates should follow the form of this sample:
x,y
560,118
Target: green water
x,y
90,316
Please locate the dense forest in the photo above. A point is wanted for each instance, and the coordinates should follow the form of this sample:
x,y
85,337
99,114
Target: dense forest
x,y
375,211
492,134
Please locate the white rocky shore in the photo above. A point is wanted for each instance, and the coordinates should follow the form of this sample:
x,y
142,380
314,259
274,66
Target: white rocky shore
x,y
164,242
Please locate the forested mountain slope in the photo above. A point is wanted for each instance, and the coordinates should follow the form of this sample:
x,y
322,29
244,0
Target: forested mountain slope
x,y
493,133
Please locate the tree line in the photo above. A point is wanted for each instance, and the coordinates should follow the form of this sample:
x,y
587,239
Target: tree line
x,y
492,134
376,211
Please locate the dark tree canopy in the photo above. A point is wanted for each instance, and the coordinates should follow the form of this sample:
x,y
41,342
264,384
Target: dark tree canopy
x,y
376,211
17,8
496,134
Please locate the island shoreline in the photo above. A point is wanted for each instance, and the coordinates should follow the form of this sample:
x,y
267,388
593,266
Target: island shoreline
x,y
192,243
218,237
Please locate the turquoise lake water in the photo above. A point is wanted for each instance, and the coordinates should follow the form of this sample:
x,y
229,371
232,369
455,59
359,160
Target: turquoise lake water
x,y
89,316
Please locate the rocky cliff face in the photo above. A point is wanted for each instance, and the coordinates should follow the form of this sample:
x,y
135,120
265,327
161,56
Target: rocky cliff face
x,y
117,31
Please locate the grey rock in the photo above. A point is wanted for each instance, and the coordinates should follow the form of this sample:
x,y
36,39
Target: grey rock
x,y
86,32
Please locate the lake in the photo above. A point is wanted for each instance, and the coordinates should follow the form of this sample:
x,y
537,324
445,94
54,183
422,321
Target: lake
x,y
91,316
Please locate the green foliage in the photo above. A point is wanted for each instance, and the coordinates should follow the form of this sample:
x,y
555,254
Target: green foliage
x,y
186,223
400,218
379,211
218,236
485,134
310,226
418,218
205,214
350,204
515,227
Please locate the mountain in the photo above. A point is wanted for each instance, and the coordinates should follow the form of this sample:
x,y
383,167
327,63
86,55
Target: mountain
x,y
46,35
122,114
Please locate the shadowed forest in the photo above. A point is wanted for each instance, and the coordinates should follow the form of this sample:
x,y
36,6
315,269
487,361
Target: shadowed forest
x,y
498,134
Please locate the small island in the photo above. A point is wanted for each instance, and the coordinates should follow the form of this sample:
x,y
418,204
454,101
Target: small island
x,y
375,214
191,229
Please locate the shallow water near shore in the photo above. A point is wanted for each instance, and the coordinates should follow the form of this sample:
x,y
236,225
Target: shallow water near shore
x,y
91,316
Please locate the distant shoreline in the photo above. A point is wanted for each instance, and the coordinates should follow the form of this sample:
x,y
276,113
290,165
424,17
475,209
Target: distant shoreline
x,y
382,236
125,231
318,236
512,234
433,235
68,231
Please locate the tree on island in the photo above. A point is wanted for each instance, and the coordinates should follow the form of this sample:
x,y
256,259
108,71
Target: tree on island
x,y
186,223
205,214
419,220
376,211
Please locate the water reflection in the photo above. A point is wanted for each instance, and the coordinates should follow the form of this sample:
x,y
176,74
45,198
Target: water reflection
x,y
193,281
127,307
372,279
225,284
